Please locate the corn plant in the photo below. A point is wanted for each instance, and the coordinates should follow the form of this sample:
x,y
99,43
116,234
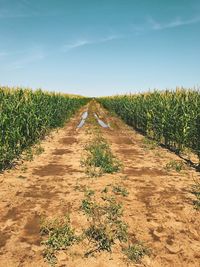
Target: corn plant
x,y
169,117
26,116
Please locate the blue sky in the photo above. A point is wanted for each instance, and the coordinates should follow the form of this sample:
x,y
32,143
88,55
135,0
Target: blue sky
x,y
100,47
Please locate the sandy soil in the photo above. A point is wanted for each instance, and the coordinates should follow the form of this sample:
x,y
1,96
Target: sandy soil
x,y
158,209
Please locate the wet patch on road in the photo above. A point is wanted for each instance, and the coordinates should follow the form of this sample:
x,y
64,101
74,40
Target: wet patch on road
x,y
100,122
52,169
60,152
144,171
68,140
3,238
31,232
83,119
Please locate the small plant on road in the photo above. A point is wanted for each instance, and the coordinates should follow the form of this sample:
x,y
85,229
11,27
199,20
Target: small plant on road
x,y
38,150
24,168
28,154
105,223
58,235
135,252
100,159
174,165
196,192
117,189
149,144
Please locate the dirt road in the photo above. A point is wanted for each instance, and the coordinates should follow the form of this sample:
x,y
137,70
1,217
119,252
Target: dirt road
x,y
158,209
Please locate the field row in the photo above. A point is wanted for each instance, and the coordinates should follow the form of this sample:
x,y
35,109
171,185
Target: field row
x,y
26,116
170,117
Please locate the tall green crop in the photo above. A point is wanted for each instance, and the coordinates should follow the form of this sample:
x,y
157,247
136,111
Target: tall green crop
x,y
26,116
170,117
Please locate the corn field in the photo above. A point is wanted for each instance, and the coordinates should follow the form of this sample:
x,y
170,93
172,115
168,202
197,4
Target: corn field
x,y
26,116
169,117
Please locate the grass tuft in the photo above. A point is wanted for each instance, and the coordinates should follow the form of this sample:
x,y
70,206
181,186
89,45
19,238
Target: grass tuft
x,y
100,158
38,150
174,165
105,223
120,190
196,192
58,235
136,252
149,144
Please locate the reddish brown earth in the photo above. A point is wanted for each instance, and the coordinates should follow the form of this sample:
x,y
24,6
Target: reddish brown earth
x,y
158,209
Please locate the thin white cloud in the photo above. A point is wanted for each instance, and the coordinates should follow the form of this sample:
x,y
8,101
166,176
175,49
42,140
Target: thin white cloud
x,y
84,42
110,38
76,44
178,22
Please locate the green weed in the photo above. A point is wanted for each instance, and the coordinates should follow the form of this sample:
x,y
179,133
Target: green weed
x,y
24,168
149,144
117,189
58,234
105,223
135,252
105,190
196,192
174,165
38,150
28,154
100,158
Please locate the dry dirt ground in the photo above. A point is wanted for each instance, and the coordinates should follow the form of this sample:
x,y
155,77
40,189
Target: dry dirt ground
x,y
158,209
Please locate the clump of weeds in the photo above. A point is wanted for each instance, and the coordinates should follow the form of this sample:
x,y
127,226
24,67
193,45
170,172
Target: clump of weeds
x,y
120,190
105,190
99,158
31,151
28,154
196,192
80,188
24,168
135,252
149,144
106,226
116,189
187,152
174,165
158,154
57,234
38,150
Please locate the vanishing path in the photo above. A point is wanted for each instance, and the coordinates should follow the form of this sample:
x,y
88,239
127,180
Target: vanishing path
x,y
158,209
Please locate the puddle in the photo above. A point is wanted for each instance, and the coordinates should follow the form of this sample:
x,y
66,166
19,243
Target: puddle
x,y
85,115
144,171
68,140
81,124
83,118
61,151
122,140
103,124
3,238
50,169
31,233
